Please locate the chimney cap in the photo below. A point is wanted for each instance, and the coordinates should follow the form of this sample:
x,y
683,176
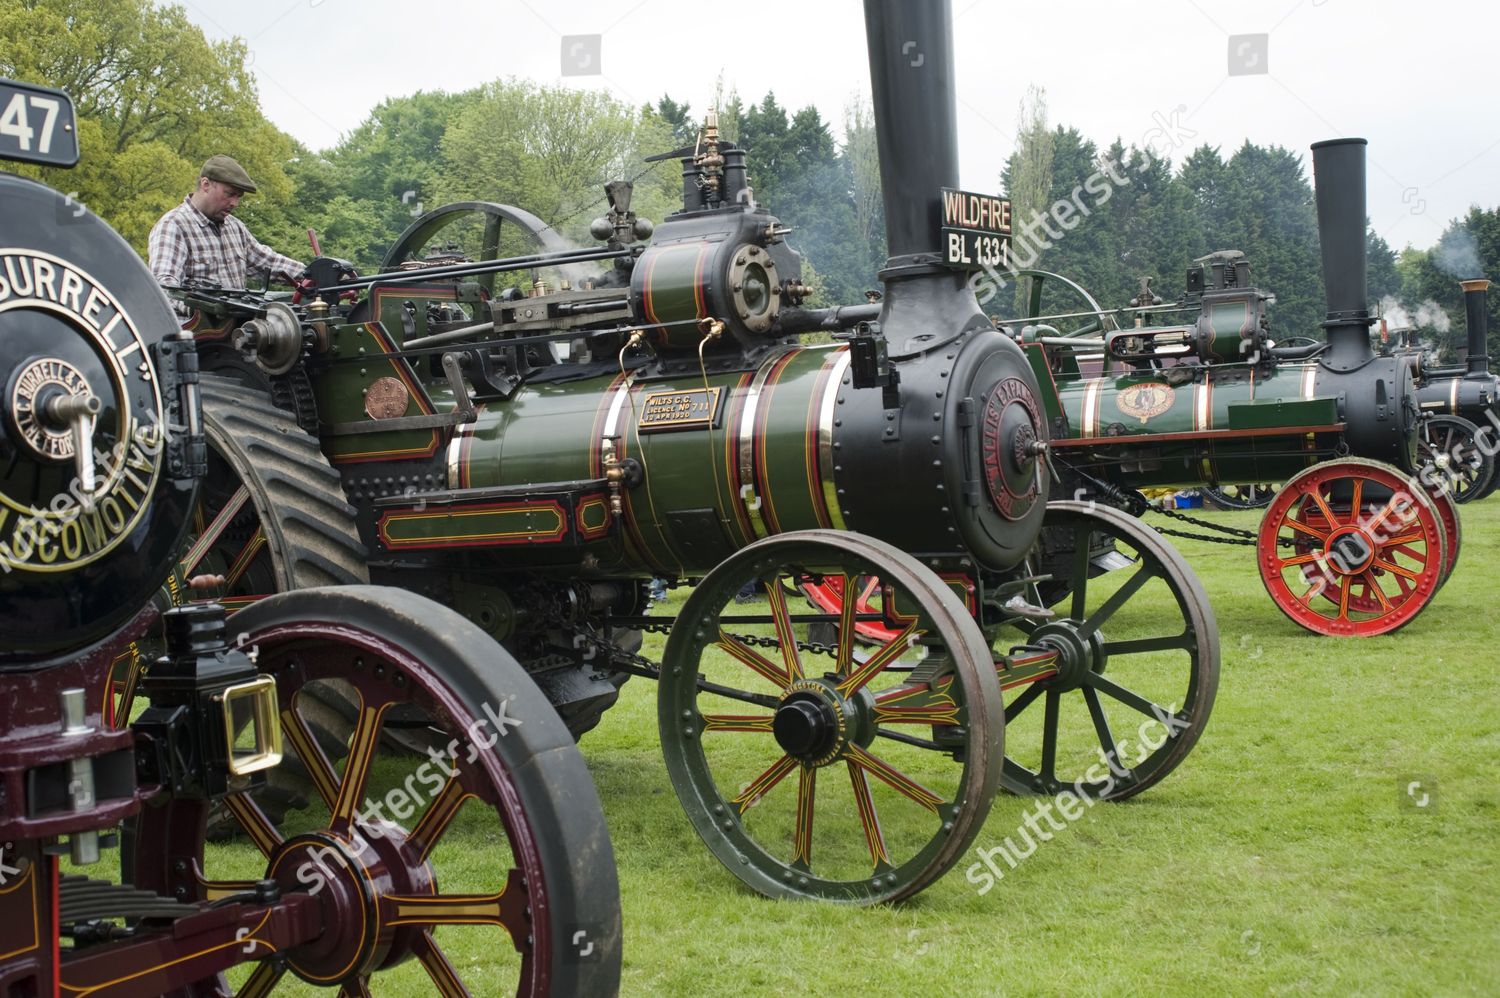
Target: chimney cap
x,y
1477,284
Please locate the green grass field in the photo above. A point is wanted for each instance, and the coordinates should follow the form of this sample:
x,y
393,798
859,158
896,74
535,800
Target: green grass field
x,y
1283,856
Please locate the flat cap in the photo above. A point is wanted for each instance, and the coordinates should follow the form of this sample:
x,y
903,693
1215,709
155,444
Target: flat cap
x,y
227,171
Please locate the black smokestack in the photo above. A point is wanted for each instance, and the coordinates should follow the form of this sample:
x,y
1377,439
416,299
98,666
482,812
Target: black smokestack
x,y
911,76
1339,182
916,127
1476,305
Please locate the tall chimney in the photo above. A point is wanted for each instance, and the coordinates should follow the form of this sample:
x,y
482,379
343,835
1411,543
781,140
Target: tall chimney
x,y
1476,311
1339,183
916,132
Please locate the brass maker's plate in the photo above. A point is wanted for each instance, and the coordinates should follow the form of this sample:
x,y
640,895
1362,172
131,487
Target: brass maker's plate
x,y
663,411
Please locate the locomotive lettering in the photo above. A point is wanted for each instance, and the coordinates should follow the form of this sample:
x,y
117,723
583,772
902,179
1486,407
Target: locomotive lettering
x,y
80,511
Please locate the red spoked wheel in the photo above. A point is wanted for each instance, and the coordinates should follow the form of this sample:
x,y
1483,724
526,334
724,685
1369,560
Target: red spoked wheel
x,y
482,869
1362,598
1353,547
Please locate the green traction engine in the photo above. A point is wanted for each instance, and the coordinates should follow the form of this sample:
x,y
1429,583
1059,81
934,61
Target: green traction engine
x,y
1462,404
1363,531
880,588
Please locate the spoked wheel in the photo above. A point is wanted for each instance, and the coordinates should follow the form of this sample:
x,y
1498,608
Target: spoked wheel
x,y
1137,661
1241,496
483,869
1452,460
1353,547
1064,304
273,515
850,774
477,231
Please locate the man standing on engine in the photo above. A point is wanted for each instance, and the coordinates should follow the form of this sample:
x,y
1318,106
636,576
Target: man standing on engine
x,y
200,241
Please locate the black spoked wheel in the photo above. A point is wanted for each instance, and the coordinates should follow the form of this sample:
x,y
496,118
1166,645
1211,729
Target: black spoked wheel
x,y
1254,496
1452,460
1138,661
482,869
847,771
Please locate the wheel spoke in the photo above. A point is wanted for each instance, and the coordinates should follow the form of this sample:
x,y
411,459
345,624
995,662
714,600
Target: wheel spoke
x,y
738,722
868,819
1356,499
1296,524
762,784
1022,701
296,732
1317,498
210,535
436,963
1106,737
748,656
1129,698
261,981
436,819
894,778
1136,646
1116,600
781,619
357,988
362,747
255,823
891,651
807,785
243,560
1079,580
1049,737
1373,586
1395,569
502,908
847,614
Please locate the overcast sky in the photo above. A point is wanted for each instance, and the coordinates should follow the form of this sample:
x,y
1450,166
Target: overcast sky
x,y
1418,80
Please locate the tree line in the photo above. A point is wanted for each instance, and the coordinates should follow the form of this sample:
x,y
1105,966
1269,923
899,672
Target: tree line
x,y
155,98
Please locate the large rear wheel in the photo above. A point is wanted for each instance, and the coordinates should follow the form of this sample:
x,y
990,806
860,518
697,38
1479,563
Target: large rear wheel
x,y
482,869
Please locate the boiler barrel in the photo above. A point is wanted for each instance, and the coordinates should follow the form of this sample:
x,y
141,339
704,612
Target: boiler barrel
x,y
790,444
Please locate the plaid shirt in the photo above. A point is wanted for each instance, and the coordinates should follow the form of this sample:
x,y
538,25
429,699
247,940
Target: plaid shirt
x,y
187,245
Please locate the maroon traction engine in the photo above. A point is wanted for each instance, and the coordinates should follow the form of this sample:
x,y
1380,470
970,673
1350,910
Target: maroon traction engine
x,y
101,452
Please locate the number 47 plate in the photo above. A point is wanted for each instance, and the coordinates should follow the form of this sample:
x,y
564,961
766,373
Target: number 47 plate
x,y
37,125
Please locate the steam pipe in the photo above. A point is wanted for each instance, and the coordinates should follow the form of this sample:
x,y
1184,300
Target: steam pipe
x,y
1476,312
1339,184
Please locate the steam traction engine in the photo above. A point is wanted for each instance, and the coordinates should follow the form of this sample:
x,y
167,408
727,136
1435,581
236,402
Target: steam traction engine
x,y
533,455
103,453
1362,535
1461,404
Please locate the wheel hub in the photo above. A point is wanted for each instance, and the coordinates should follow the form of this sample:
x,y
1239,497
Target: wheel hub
x,y
1077,656
349,872
815,723
1351,550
